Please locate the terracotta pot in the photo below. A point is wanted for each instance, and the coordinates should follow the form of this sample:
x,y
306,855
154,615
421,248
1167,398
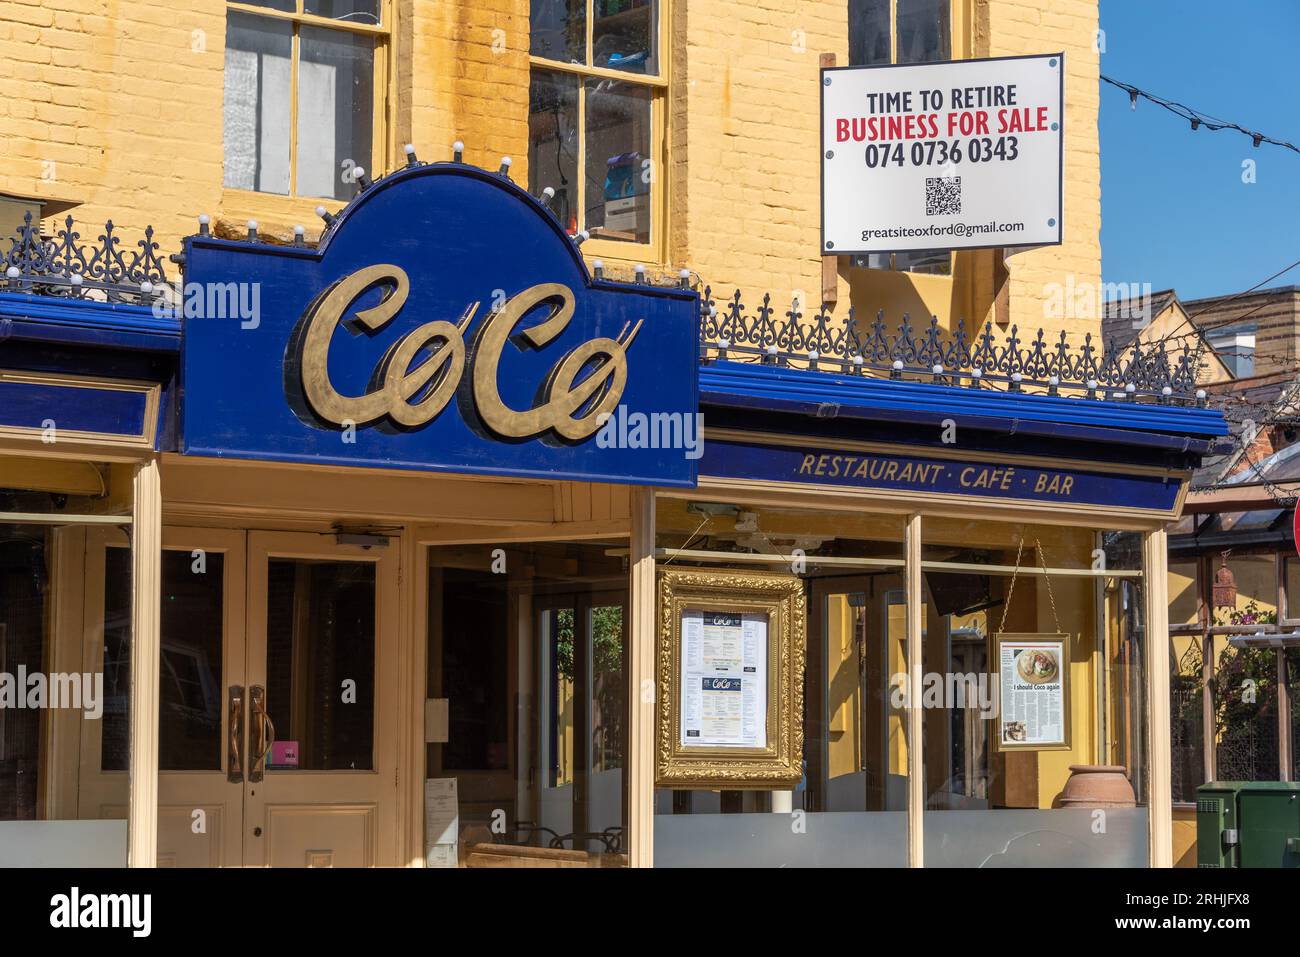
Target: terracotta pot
x,y
1097,785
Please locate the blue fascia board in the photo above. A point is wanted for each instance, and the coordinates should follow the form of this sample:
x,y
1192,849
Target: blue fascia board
x,y
87,322
825,395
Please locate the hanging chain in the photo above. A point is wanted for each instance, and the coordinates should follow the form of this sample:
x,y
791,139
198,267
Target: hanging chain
x,y
1042,559
1006,605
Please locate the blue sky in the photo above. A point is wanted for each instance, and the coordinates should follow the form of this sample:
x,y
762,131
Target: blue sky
x,y
1175,212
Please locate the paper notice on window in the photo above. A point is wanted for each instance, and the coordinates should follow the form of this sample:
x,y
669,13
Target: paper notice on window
x,y
441,822
1032,692
723,679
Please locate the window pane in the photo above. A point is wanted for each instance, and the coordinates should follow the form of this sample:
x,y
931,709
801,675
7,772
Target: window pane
x,y
558,30
868,32
618,161
335,104
357,11
115,734
288,6
924,31
553,142
256,112
1246,714
190,688
1039,705
24,593
624,35
320,632
527,649
937,262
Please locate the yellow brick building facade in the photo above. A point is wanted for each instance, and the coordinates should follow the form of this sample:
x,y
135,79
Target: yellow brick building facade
x,y
118,106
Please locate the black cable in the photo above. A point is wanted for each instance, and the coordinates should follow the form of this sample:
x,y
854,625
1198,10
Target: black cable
x,y
1196,117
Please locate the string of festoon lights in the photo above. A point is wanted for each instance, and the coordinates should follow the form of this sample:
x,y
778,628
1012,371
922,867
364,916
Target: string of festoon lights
x,y
1196,117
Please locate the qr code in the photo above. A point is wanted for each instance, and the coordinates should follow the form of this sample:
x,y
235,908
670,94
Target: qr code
x,y
942,195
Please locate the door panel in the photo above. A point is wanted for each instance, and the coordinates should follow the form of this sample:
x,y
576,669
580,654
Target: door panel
x,y
202,654
321,626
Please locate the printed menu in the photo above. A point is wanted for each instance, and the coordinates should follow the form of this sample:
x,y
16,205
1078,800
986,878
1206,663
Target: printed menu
x,y
723,679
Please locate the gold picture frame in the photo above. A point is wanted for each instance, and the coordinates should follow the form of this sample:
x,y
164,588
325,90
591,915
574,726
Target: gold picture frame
x,y
1055,643
759,596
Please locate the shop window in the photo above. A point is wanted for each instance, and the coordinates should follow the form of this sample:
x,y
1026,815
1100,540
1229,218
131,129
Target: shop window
x,y
56,690
1035,653
595,116
301,83
882,32
528,646
853,792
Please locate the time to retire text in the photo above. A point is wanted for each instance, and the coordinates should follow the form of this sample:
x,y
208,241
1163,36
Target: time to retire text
x,y
931,114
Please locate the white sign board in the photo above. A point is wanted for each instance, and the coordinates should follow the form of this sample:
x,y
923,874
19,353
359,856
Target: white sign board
x,y
964,154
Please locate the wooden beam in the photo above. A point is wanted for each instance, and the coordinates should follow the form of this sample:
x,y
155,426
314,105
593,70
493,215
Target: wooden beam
x,y
146,648
1231,498
830,264
641,684
1159,770
912,716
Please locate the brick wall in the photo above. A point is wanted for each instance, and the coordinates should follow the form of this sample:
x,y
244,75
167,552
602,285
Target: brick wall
x,y
118,104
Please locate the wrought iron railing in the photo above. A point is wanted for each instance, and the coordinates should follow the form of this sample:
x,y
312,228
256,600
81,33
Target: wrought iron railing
x,y
992,360
64,266
1004,361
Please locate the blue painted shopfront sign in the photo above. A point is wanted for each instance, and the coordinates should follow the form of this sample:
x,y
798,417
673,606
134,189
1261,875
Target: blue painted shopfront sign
x,y
446,322
808,464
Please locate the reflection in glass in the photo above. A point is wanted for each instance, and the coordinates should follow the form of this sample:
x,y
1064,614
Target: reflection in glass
x,y
553,142
256,112
987,805
624,35
924,31
320,633
618,162
190,685
558,30
357,11
1245,695
115,730
529,650
869,32
336,75
24,587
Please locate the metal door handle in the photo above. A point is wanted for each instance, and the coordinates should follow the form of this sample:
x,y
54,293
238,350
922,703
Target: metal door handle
x,y
262,731
235,743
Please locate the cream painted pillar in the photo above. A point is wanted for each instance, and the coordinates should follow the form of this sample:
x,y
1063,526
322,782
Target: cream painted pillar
x,y
1159,782
641,682
915,764
146,604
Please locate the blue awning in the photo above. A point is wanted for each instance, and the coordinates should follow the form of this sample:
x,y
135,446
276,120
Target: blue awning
x,y
756,387
87,322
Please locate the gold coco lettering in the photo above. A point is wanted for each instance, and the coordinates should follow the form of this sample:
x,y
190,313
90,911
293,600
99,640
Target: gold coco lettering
x,y
395,383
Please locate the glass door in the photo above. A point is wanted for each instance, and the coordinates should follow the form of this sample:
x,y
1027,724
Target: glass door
x,y
200,792
321,786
